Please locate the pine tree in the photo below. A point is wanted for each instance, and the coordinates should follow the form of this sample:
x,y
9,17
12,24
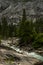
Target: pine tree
x,y
0,29
21,24
4,27
39,25
11,30
15,31
24,15
24,30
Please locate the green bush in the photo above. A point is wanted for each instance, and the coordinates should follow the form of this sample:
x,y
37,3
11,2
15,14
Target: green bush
x,y
38,42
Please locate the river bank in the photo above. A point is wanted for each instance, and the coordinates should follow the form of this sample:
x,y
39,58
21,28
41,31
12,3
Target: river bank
x,y
13,55
31,49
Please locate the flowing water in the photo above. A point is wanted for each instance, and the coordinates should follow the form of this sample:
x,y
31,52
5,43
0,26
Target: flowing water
x,y
32,54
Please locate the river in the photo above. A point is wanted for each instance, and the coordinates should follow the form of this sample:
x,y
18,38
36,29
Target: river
x,y
31,54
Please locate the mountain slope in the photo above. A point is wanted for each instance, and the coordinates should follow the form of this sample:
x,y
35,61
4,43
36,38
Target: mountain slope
x,y
11,8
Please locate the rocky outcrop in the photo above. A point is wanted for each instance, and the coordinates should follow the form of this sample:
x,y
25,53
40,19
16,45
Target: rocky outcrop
x,y
39,63
10,57
13,9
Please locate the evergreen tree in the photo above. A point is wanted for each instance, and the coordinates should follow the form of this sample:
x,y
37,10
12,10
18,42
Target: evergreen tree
x,y
11,30
4,27
0,29
25,30
15,31
21,24
39,25
24,16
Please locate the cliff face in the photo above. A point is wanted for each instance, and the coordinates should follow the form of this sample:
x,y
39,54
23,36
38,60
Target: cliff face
x,y
13,8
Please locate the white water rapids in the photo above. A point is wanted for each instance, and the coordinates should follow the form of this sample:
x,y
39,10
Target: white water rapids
x,y
32,54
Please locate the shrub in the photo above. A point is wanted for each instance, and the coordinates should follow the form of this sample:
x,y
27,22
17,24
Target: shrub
x,y
38,42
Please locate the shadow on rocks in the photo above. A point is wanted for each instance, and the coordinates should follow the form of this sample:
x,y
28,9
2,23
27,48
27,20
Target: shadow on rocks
x,y
39,63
